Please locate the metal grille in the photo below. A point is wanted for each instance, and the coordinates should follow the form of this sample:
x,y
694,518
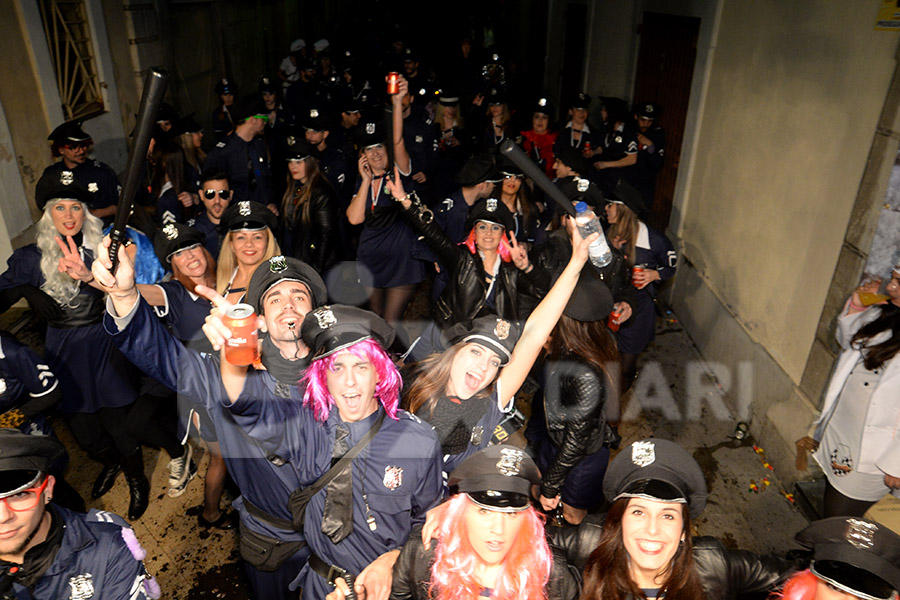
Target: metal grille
x,y
69,38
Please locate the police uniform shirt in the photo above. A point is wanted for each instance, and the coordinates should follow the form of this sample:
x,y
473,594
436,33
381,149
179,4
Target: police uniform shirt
x,y
650,158
247,167
97,559
24,379
333,164
654,250
96,177
222,123
213,239
619,144
565,137
184,312
420,141
261,476
399,473
451,215
169,208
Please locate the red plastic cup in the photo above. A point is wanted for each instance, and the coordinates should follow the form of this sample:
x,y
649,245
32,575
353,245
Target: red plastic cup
x,y
242,347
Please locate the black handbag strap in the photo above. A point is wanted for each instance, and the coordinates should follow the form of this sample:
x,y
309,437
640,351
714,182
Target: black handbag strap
x,y
345,460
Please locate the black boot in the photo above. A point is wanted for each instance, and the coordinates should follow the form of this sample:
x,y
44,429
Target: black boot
x,y
138,484
107,477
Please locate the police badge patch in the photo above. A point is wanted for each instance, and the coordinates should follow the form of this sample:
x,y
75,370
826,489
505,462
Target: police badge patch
x,y
82,587
277,264
66,177
370,128
582,184
490,204
393,477
325,317
510,462
93,187
860,533
170,232
244,208
419,139
313,113
643,453
477,435
501,329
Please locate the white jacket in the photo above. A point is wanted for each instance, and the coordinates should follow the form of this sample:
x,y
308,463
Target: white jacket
x,y
880,449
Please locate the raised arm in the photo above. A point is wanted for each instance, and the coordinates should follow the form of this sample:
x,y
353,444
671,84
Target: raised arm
x,y
401,156
542,321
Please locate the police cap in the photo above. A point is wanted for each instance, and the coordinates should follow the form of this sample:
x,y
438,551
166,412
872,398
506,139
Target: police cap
x,y
508,168
542,106
448,97
267,85
174,237
226,86
479,168
297,148
166,112
649,110
23,458
495,96
316,120
490,331
591,300
69,132
64,187
370,133
626,194
491,210
580,101
572,158
249,216
187,124
497,478
656,469
284,268
331,328
855,555
578,189
247,107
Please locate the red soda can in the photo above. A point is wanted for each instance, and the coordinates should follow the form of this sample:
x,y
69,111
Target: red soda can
x,y
393,83
611,322
241,348
634,271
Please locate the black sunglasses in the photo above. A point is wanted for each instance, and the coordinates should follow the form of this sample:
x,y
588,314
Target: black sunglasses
x,y
223,194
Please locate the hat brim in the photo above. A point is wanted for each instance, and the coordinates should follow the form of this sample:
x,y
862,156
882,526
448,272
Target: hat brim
x,y
874,565
17,480
855,580
484,340
505,502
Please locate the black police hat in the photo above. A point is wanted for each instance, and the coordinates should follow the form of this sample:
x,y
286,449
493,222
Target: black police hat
x,y
24,457
578,189
448,97
166,112
296,147
542,105
64,187
350,105
649,110
247,107
580,100
490,331
656,469
267,85
490,210
855,555
495,95
371,133
70,131
481,167
507,168
410,54
187,124
284,268
329,329
248,215
572,158
316,120
626,194
226,86
591,300
497,478
172,238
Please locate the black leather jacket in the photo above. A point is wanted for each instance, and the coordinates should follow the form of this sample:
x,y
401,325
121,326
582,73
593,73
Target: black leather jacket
x,y
553,256
314,244
464,298
725,574
574,398
412,572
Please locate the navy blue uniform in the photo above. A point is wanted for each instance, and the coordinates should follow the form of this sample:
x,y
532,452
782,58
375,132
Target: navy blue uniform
x,y
588,136
76,343
96,177
655,251
26,384
265,481
333,164
247,167
421,143
94,561
222,123
213,238
399,474
386,242
617,145
169,209
649,163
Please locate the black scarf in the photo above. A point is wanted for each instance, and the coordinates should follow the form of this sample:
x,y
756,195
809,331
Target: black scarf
x,y
287,372
454,422
39,558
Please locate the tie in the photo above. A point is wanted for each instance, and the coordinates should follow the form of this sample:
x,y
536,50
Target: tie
x,y
337,518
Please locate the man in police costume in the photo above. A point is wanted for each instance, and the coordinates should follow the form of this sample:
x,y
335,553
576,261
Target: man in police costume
x,y
243,155
282,290
215,194
71,144
47,551
332,161
651,150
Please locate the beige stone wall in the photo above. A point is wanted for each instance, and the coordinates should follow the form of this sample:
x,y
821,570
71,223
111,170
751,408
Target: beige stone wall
x,y
790,110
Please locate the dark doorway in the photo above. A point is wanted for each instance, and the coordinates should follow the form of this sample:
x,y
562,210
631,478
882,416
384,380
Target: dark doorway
x,y
664,72
575,44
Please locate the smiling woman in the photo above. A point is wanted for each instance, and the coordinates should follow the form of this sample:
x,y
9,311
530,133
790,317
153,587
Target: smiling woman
x,y
250,241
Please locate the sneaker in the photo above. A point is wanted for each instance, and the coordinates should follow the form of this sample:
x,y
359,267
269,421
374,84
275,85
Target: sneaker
x,y
181,471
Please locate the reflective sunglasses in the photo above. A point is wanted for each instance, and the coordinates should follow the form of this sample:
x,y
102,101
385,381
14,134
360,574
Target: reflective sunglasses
x,y
223,194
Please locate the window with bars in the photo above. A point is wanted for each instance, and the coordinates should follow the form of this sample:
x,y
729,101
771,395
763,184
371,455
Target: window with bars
x,y
69,38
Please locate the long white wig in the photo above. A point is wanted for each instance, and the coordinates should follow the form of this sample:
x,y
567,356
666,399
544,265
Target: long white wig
x,y
60,286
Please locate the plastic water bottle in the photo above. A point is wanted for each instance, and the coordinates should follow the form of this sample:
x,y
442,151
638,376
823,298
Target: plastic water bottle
x,y
587,223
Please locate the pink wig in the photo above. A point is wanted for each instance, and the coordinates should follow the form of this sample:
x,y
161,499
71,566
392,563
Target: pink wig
x,y
504,249
387,390
801,586
525,570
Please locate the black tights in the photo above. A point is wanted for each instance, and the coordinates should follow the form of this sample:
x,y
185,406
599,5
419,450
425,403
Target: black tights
x,y
629,370
838,505
390,304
